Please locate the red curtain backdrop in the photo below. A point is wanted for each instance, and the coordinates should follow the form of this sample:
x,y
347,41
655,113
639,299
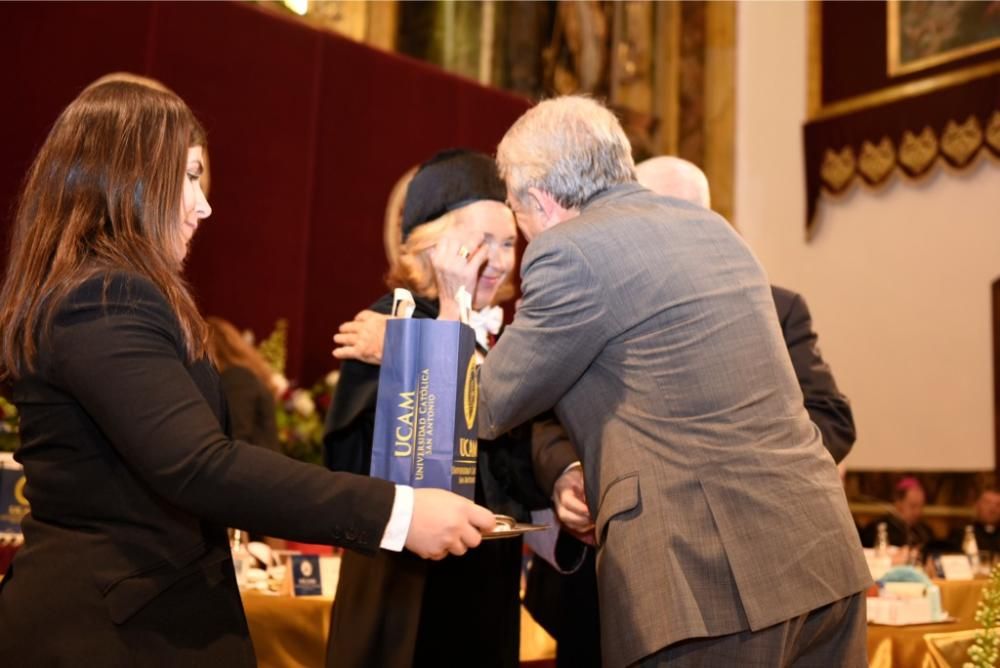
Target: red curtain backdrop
x,y
307,133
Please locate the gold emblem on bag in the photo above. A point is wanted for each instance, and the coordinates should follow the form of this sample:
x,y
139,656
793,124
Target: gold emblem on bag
x,y
471,394
19,491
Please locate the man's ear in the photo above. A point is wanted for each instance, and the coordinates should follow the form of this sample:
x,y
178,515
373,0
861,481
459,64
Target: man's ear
x,y
552,212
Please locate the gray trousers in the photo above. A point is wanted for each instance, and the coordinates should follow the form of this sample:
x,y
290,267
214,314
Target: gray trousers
x,y
832,636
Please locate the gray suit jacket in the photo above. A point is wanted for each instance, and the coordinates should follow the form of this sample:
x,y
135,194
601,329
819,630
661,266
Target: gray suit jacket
x,y
650,327
828,408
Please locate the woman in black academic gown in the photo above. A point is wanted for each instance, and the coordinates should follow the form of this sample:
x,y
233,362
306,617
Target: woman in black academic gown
x,y
392,609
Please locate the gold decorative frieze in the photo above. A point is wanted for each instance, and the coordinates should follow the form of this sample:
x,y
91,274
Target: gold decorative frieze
x,y
993,131
838,168
960,142
917,152
876,161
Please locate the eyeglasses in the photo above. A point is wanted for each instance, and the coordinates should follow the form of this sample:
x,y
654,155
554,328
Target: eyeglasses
x,y
535,204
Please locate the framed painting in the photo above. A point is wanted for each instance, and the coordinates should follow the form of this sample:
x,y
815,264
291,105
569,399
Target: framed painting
x,y
921,34
897,87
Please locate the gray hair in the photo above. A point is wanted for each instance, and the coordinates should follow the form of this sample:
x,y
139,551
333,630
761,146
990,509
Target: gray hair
x,y
570,147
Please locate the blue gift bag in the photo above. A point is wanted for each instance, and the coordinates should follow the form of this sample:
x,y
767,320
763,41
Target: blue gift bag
x,y
425,418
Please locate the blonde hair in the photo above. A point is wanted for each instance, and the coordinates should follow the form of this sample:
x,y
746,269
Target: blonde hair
x,y
413,269
227,348
570,147
392,233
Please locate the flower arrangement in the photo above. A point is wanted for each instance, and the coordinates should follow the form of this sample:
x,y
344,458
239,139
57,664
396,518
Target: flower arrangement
x,y
300,416
300,411
985,650
9,439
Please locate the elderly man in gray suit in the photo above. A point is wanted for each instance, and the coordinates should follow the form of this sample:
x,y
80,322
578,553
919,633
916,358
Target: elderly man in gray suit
x,y
566,603
723,533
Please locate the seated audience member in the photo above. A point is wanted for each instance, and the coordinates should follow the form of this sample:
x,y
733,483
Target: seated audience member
x,y
247,382
985,525
903,523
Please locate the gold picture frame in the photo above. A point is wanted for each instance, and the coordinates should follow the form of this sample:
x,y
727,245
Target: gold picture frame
x,y
949,12
817,110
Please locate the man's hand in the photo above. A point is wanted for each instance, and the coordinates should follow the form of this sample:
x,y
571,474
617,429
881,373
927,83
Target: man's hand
x,y
444,523
361,338
571,507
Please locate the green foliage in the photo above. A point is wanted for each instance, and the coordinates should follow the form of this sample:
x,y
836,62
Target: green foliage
x,y
986,649
274,348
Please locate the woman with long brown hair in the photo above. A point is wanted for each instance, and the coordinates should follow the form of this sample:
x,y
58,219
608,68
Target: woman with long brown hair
x,y
130,476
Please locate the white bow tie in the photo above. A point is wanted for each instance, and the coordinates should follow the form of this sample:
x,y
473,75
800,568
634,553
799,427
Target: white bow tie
x,y
485,322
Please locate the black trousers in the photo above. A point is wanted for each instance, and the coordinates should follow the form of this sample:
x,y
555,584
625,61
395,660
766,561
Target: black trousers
x,y
395,610
566,607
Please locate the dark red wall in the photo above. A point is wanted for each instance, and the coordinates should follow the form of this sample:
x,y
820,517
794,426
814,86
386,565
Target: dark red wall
x,y
307,133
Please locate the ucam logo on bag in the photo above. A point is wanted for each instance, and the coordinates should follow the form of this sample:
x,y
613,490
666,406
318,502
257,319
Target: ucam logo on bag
x,y
425,417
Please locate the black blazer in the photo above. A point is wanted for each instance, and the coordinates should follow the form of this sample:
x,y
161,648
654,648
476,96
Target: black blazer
x,y
827,407
132,480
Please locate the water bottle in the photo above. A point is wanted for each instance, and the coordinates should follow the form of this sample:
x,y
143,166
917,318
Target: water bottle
x,y
238,541
882,540
971,548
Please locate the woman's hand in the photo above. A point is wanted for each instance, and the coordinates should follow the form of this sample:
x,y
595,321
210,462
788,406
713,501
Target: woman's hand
x,y
456,264
444,523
